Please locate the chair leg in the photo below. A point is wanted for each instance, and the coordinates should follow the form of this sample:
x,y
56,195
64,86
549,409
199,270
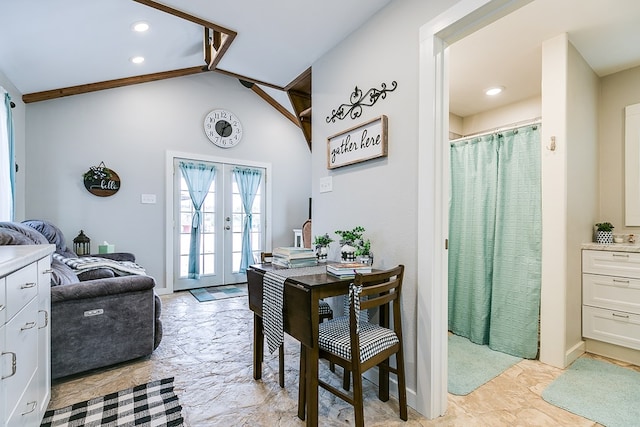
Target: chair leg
x,y
402,386
346,380
358,398
281,365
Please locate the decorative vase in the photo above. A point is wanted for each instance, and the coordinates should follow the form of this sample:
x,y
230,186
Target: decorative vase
x,y
321,253
604,237
348,253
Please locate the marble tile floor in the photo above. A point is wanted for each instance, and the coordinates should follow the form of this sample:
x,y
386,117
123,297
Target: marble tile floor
x,y
207,347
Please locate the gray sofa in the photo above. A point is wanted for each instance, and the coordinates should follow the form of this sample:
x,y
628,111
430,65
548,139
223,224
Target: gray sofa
x,y
98,317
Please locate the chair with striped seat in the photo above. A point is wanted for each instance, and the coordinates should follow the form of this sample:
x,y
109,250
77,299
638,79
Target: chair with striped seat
x,y
324,313
358,345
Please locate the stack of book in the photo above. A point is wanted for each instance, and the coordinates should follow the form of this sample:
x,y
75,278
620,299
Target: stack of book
x,y
292,257
347,270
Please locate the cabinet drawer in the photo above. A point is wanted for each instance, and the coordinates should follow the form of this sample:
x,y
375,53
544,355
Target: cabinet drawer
x,y
21,343
22,285
615,293
25,412
616,327
3,301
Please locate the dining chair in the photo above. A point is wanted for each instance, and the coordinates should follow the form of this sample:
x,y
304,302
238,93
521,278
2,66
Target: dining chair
x,y
357,345
324,313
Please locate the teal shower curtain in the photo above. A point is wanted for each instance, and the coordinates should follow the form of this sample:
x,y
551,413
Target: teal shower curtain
x,y
495,240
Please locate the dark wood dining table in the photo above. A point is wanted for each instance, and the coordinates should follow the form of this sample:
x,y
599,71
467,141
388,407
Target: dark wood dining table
x,y
301,295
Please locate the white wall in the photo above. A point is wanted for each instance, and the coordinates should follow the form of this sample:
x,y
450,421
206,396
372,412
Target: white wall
x,y
527,109
583,88
380,194
131,129
569,188
18,114
617,91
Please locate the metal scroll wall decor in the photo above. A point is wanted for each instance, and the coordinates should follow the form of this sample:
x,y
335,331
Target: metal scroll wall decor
x,y
358,99
101,181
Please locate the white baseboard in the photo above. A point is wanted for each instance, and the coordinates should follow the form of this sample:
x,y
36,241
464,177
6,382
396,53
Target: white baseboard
x,y
574,352
372,375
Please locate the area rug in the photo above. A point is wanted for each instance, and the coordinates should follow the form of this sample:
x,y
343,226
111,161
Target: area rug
x,y
597,390
149,405
472,365
214,293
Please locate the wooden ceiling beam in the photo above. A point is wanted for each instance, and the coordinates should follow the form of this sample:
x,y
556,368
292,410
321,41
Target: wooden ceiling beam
x,y
271,101
109,84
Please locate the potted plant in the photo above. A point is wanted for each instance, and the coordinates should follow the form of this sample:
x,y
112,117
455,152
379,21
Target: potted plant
x,y
604,233
363,251
321,243
348,242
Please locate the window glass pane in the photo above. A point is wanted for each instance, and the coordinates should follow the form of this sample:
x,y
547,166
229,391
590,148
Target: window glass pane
x,y
185,240
237,223
208,222
236,262
237,241
184,266
208,265
208,240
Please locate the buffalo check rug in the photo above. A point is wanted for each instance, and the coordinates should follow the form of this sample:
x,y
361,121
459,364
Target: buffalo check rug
x,y
150,405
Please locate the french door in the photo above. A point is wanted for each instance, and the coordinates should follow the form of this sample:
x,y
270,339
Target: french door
x,y
223,216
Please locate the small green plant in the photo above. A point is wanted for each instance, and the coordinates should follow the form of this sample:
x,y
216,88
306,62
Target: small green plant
x,y
364,248
605,226
350,237
322,240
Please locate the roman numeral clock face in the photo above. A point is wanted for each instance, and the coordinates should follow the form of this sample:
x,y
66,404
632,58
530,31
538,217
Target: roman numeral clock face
x,y
223,128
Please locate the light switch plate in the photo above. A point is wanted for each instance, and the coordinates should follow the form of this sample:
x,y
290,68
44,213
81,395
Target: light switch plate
x,y
148,198
326,184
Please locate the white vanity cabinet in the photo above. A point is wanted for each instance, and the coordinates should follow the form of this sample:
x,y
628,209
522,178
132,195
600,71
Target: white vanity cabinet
x,y
611,297
25,383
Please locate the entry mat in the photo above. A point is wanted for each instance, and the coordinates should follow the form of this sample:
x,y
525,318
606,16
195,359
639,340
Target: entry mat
x,y
472,365
214,293
598,390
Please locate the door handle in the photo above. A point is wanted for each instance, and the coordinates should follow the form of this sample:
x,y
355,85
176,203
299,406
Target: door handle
x,y
227,227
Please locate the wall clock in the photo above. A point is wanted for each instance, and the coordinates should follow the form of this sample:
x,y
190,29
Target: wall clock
x,y
223,128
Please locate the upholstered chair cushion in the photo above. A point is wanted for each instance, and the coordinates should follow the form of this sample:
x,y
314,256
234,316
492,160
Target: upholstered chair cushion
x,y
334,337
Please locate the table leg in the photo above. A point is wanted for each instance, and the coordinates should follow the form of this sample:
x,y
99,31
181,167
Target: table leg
x,y
258,346
302,386
312,386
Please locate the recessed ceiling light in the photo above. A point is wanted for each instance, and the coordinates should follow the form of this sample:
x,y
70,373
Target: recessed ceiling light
x,y
140,27
493,91
137,59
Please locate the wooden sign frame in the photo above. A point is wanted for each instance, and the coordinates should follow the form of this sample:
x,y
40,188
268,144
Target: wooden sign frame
x,y
360,143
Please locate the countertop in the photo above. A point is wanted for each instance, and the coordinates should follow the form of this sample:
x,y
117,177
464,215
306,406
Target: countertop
x,y
620,247
14,257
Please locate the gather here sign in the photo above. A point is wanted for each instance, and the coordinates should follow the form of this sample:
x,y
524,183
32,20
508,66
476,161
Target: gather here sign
x,y
363,142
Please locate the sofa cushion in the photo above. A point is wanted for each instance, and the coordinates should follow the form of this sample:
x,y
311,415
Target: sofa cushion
x,y
50,232
62,274
33,237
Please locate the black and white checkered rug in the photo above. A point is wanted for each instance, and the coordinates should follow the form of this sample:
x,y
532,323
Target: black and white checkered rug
x,y
149,405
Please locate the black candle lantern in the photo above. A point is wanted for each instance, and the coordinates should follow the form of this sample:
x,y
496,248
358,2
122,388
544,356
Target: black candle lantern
x,y
82,244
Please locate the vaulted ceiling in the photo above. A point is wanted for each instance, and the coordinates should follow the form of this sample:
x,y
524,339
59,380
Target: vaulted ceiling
x,y
55,48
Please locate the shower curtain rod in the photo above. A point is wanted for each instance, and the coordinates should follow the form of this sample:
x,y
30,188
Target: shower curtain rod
x,y
511,126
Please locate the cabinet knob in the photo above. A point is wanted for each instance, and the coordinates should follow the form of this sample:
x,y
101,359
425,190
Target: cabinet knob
x,y
29,325
13,364
33,405
46,318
